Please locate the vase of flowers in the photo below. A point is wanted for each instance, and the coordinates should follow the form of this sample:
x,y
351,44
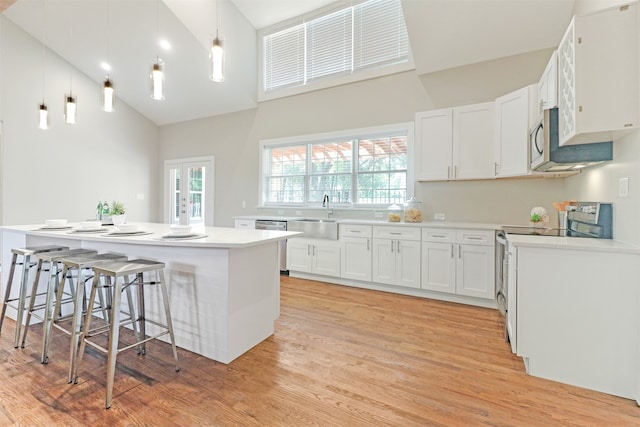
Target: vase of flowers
x,y
117,212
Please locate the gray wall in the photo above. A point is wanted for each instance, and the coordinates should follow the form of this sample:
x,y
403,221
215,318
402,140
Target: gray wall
x,y
63,172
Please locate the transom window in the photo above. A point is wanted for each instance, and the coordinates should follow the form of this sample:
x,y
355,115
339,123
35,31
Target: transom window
x,y
368,35
352,170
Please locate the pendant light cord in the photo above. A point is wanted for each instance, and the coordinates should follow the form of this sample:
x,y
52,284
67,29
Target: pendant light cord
x,y
42,37
217,18
70,50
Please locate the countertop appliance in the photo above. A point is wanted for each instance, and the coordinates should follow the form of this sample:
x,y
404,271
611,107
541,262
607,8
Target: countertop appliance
x,y
548,156
584,219
269,224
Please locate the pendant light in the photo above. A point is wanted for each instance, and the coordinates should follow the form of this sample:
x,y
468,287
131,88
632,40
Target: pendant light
x,y
43,111
108,94
157,71
216,55
70,101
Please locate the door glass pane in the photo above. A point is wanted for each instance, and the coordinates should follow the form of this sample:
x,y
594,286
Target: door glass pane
x,y
196,195
175,195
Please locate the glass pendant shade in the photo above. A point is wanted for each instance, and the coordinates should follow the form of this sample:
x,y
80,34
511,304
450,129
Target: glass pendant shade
x,y
70,111
43,122
108,95
157,80
216,60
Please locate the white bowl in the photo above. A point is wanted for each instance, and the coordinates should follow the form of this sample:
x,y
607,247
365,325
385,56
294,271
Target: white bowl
x,y
179,229
128,228
55,223
90,224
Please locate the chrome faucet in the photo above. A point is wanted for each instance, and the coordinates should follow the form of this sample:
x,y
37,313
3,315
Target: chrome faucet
x,y
325,204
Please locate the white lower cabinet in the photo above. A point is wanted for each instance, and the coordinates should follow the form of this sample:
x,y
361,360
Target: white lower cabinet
x,y
355,252
396,256
459,262
315,256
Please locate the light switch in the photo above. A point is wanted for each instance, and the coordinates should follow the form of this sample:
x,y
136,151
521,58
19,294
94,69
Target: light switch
x,y
623,187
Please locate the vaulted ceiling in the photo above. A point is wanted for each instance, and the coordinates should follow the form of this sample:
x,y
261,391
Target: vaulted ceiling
x,y
443,34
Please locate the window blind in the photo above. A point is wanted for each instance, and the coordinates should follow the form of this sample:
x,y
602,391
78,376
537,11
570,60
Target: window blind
x,y
368,35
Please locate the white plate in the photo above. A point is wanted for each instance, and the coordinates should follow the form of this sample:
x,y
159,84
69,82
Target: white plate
x,y
180,233
174,236
47,227
127,233
88,229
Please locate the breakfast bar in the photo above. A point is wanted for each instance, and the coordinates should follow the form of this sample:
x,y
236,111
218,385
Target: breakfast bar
x,y
224,283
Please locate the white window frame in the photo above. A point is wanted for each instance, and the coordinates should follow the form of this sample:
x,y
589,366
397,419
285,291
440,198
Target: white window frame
x,y
322,83
360,133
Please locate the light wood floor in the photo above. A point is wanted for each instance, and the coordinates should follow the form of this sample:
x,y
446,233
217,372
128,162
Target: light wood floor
x,y
340,357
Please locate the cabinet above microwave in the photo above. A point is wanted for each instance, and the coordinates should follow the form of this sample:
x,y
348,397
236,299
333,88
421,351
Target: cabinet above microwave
x,y
598,76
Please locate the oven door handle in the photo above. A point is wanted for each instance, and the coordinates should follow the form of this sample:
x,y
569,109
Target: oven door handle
x,y
500,238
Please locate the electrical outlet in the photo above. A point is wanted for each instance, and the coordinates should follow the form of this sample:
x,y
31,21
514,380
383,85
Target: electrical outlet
x,y
439,216
623,187
377,214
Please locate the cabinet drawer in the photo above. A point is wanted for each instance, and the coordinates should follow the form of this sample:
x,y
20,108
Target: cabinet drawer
x,y
354,230
476,237
404,233
438,235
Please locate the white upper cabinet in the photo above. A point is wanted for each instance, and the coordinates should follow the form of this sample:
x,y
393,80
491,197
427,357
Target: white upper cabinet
x,y
598,76
455,143
515,113
548,85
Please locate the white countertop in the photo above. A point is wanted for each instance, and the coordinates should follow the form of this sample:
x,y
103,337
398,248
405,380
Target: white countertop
x,y
216,237
572,243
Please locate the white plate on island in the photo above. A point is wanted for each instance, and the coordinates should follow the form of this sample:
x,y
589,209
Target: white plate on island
x,y
53,228
127,233
175,236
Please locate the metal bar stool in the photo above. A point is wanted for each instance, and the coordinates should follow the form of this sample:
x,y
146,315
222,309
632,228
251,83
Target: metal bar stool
x,y
84,267
27,264
52,259
118,271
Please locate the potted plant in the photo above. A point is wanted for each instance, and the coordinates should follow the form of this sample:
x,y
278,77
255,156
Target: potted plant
x,y
117,212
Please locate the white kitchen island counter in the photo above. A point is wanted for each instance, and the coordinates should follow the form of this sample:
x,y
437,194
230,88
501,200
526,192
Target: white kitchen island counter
x,y
224,288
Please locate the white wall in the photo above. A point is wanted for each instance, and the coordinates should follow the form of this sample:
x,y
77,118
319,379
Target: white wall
x,y
63,172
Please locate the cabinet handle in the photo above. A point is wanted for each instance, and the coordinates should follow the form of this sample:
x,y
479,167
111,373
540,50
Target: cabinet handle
x,y
495,168
452,250
356,231
459,252
368,245
474,238
395,233
455,171
448,172
392,246
309,250
398,246
440,236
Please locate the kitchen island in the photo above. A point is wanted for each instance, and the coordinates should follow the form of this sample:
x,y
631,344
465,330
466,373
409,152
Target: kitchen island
x,y
224,287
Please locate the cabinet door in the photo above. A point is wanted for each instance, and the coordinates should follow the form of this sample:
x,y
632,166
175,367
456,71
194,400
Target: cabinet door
x,y
547,86
475,271
434,138
384,261
408,263
473,141
512,133
299,255
326,258
356,258
438,267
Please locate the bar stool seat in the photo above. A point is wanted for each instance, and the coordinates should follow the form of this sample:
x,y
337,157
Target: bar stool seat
x,y
27,264
52,259
118,272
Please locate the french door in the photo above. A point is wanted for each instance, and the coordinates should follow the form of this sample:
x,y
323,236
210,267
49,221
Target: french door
x,y
189,191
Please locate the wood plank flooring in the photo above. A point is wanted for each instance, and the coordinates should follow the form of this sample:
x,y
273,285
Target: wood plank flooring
x,y
340,357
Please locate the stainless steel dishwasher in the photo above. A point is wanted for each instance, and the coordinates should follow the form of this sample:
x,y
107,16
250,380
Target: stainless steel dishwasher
x,y
268,224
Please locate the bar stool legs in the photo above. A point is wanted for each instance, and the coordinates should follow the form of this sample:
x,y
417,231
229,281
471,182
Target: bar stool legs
x,y
26,264
118,271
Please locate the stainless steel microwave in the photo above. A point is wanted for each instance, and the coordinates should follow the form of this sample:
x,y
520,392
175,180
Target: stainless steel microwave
x,y
547,155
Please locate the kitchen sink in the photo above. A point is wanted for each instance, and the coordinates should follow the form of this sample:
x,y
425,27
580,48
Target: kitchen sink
x,y
316,228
